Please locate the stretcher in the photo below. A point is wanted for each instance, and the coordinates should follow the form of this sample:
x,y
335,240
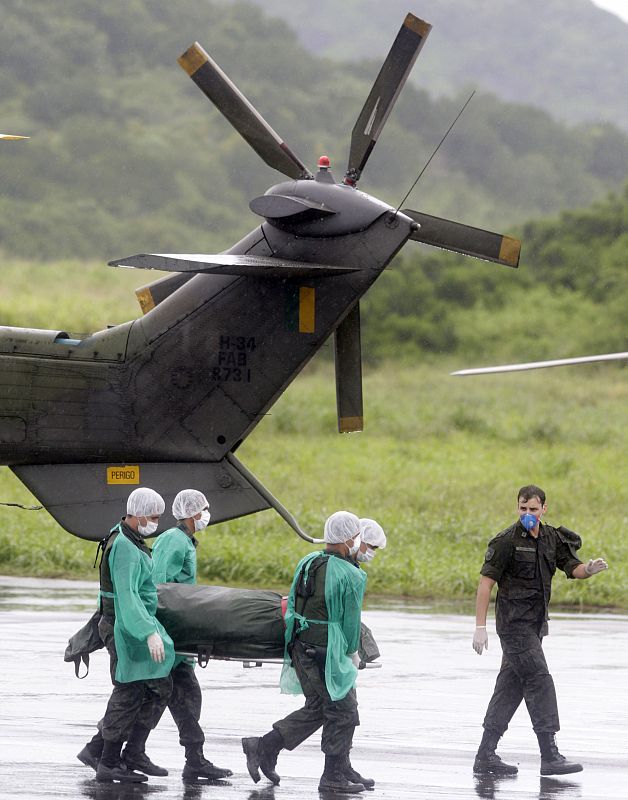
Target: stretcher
x,y
247,625
216,623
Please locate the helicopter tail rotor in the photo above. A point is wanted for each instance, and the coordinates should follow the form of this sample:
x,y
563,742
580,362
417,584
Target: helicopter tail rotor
x,y
383,95
249,123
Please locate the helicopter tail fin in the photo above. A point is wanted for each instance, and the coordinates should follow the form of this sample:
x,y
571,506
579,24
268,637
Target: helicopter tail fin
x,y
87,498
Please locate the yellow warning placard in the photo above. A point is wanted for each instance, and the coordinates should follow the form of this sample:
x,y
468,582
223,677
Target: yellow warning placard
x,y
126,474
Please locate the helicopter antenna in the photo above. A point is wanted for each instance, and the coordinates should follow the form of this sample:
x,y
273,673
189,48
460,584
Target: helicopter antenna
x,y
427,163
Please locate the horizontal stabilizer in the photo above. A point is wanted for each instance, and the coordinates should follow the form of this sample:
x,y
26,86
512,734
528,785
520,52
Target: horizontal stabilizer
x,y
464,239
88,499
254,266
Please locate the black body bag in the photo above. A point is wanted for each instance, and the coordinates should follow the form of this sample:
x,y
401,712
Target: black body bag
x,y
231,623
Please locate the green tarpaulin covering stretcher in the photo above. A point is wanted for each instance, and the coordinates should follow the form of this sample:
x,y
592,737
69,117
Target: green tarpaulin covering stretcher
x,y
215,622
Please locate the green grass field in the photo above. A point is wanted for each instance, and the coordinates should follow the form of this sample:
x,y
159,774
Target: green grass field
x,y
438,466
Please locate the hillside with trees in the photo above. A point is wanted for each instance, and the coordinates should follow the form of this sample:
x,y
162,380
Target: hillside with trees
x,y
568,57
127,156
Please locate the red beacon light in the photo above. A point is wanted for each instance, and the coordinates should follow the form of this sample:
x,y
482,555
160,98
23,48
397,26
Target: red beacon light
x,y
323,162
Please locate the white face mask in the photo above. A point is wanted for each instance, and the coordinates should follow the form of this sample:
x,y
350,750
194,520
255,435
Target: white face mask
x,y
148,529
368,556
203,522
357,541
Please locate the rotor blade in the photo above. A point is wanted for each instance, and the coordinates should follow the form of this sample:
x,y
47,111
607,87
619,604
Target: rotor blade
x,y
152,294
557,362
384,93
348,352
464,239
246,265
12,136
230,101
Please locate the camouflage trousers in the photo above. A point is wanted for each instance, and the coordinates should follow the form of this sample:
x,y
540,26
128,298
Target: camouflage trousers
x,y
138,701
185,704
338,718
523,676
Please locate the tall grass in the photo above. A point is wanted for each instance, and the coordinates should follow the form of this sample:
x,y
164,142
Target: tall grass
x,y
75,296
439,465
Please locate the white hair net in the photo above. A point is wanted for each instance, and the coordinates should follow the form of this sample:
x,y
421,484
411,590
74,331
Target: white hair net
x,y
145,502
372,533
188,503
340,527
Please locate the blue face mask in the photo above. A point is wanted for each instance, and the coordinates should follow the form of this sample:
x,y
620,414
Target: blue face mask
x,y
529,521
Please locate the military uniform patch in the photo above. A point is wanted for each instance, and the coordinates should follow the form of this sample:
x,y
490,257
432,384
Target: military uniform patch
x,y
490,552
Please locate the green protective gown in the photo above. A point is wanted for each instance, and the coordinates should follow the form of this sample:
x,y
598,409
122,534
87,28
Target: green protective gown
x,y
174,557
135,604
174,561
344,592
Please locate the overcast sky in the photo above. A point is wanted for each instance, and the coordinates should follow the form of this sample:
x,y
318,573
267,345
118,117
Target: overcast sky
x,y
619,7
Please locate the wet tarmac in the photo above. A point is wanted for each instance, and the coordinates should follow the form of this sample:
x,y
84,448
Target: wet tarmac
x,y
421,713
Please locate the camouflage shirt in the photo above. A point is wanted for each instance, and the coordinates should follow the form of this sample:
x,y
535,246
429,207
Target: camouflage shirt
x,y
523,568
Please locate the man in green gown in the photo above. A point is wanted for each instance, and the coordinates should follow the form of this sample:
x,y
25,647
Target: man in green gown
x,y
321,659
141,652
174,561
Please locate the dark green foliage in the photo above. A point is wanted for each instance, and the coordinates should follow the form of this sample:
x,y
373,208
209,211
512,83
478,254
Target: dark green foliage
x,y
568,297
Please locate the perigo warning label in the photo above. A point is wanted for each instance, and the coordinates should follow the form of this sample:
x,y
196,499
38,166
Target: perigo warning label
x,y
128,475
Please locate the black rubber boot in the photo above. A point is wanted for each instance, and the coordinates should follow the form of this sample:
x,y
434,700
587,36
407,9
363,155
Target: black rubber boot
x,y
197,766
262,753
120,772
487,762
134,754
552,762
333,779
91,753
354,776
111,767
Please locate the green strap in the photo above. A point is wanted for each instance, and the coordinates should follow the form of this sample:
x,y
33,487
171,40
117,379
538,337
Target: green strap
x,y
304,622
102,593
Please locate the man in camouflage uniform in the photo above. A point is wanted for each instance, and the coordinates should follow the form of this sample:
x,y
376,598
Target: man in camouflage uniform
x,y
522,560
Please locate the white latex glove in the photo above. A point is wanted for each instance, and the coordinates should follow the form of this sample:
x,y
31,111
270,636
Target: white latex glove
x,y
480,640
595,565
156,647
355,659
